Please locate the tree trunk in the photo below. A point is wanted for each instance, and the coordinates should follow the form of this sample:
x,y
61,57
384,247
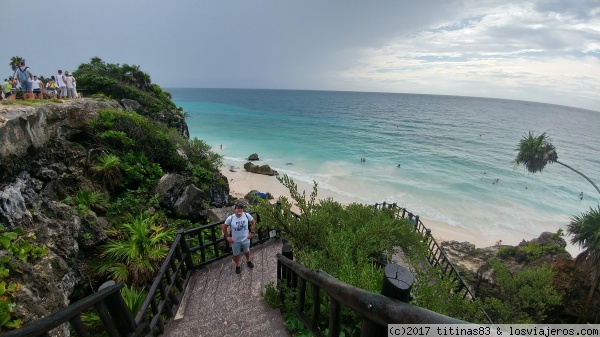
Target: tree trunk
x,y
589,297
581,174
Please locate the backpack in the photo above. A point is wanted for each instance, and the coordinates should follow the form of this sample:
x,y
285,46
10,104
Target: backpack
x,y
247,218
23,75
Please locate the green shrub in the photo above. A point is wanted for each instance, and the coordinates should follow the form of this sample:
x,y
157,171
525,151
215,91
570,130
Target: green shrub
x,y
130,202
136,250
100,79
117,139
524,297
271,296
139,172
85,198
534,251
108,171
20,245
506,251
150,138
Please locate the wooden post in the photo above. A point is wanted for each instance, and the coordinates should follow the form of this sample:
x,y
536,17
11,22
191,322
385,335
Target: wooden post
x,y
286,251
397,282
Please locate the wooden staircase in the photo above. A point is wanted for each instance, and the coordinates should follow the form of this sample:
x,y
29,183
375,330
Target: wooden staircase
x,y
218,302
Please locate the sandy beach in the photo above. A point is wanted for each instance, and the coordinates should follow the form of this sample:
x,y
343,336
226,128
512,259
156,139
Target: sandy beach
x,y
241,182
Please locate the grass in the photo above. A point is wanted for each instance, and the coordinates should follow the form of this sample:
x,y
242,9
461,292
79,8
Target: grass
x,y
30,102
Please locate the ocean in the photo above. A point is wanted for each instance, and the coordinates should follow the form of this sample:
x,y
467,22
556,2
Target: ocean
x,y
455,153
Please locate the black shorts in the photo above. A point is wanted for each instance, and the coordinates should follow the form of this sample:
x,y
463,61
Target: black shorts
x,y
37,91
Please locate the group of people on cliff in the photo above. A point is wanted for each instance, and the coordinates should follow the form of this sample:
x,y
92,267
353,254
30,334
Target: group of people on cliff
x,y
62,85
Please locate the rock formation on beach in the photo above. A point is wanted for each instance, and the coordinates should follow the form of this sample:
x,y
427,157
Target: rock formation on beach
x,y
260,169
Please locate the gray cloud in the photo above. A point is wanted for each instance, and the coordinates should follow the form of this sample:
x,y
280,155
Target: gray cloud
x,y
337,45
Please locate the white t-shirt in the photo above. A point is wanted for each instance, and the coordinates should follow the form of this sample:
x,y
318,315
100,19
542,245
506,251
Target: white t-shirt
x,y
240,227
35,84
69,82
59,80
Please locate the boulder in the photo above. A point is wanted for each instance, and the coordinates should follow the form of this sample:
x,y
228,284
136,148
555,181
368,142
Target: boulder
x,y
189,204
169,189
253,157
252,195
262,169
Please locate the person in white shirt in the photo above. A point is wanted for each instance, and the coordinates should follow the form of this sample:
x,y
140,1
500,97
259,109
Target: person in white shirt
x,y
35,88
62,85
69,82
241,225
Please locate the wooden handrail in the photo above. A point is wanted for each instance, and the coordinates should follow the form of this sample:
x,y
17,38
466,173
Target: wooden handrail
x,y
43,325
372,307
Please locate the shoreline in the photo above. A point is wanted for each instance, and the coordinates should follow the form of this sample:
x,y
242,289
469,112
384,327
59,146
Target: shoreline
x,y
242,182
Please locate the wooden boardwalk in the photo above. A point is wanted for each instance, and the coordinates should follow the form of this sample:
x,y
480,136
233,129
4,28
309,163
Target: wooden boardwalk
x,y
217,302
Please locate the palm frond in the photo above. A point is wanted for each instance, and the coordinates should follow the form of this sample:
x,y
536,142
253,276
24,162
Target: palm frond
x,y
535,151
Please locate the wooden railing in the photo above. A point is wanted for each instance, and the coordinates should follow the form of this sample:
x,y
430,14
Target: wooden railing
x,y
376,311
191,250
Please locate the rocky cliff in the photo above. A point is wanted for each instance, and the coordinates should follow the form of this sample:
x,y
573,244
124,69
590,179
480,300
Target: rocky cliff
x,y
42,162
569,279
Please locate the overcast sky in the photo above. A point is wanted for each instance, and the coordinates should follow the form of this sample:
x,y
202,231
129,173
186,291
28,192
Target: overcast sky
x,y
543,51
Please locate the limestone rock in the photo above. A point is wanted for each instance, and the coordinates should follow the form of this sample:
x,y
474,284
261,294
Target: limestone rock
x,y
186,200
189,203
25,128
473,265
263,169
253,157
169,189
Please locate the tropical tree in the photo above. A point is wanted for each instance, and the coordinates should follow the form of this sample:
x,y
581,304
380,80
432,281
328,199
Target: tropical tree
x,y
536,151
15,62
585,231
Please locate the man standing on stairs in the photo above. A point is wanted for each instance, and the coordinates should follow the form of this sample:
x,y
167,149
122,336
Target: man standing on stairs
x,y
241,229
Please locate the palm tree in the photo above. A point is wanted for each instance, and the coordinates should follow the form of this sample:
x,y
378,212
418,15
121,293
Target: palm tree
x,y
137,252
15,62
534,152
585,231
108,171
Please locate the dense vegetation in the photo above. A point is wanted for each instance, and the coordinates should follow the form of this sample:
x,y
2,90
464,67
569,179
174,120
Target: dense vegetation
x,y
121,81
344,241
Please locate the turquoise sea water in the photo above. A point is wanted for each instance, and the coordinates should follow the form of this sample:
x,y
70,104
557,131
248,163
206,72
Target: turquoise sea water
x,y
451,151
